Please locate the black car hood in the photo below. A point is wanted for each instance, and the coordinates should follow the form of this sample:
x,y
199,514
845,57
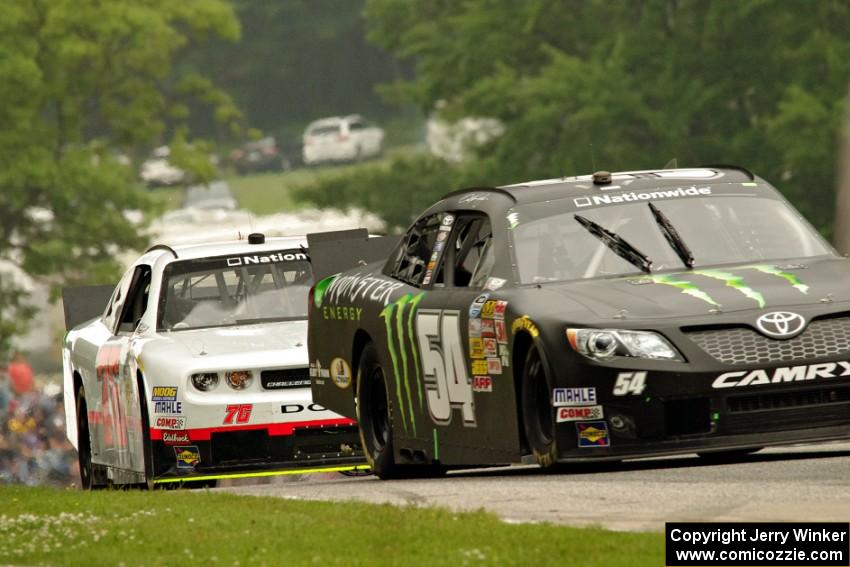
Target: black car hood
x,y
700,291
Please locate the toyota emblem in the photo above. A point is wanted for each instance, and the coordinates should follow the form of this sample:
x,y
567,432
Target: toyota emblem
x,y
781,324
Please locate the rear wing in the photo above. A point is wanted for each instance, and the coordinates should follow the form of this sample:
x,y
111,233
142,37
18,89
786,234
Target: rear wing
x,y
337,251
84,303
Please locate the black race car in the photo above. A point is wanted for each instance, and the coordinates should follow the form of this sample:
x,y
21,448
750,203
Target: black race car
x,y
598,317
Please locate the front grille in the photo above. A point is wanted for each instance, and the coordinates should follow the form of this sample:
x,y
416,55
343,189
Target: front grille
x,y
687,416
743,345
283,379
239,446
785,400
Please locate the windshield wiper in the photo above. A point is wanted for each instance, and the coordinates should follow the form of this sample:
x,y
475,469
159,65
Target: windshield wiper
x,y
617,244
672,236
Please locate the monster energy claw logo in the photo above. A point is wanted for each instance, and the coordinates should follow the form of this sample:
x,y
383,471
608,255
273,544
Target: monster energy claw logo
x,y
399,344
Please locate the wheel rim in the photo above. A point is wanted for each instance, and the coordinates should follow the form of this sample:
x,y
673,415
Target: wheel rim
x,y
379,409
83,449
542,410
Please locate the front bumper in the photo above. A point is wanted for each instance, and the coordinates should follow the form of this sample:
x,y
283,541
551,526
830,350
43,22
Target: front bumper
x,y
258,449
680,412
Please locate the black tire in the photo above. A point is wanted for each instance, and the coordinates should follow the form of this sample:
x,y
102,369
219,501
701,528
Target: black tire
x,y
92,476
147,445
374,415
538,416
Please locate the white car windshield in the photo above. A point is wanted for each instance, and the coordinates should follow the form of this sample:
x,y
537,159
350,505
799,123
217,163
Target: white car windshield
x,y
239,290
551,244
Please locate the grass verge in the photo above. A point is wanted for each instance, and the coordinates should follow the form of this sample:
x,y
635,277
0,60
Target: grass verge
x,y
45,526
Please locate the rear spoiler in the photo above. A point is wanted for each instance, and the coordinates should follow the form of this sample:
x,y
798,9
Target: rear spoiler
x,y
337,251
84,303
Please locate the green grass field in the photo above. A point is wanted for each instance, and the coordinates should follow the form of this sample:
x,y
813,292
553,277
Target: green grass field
x,y
183,527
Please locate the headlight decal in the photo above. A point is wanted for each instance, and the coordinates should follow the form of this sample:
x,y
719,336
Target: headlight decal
x,y
602,344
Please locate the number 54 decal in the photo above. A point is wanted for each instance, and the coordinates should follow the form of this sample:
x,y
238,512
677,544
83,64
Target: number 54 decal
x,y
447,384
630,383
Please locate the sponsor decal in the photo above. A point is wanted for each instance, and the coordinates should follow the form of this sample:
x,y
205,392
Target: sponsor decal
x,y
494,366
592,434
404,352
448,220
298,408
499,309
477,305
237,413
781,324
316,370
501,332
176,437
630,383
583,413
632,196
731,280
341,373
525,324
505,360
164,393
275,257
341,313
473,198
439,245
490,348
188,457
488,309
479,367
170,422
442,236
168,408
488,329
503,350
349,289
475,327
494,284
800,373
476,348
513,219
482,384
319,290
562,397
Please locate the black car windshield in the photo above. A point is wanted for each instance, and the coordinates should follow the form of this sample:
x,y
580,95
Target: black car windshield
x,y
551,245
210,293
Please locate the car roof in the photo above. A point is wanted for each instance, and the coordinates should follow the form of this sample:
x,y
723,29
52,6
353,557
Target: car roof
x,y
224,248
334,120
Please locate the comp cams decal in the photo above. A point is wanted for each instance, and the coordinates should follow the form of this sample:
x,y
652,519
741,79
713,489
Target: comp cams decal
x,y
782,375
579,413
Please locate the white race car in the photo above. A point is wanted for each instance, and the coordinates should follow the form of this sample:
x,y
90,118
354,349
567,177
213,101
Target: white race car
x,y
195,368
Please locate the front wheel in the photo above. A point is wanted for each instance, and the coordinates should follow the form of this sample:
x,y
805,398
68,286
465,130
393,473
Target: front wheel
x,y
537,414
374,414
92,475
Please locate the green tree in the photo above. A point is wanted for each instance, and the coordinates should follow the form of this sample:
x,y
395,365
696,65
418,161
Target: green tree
x,y
628,85
84,84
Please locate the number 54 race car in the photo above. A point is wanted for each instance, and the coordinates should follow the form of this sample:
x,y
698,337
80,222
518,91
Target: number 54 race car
x,y
590,318
194,367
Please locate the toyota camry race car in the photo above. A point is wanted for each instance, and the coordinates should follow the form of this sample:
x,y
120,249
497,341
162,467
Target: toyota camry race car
x,y
194,367
597,317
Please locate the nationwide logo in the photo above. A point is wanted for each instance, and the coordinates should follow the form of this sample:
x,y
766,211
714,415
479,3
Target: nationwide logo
x,y
266,259
632,197
782,375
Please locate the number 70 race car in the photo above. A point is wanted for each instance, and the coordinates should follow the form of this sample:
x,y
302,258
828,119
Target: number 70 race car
x,y
591,318
194,368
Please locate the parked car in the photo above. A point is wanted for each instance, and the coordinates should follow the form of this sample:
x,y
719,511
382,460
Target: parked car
x,y
257,156
341,139
601,317
195,368
214,195
157,171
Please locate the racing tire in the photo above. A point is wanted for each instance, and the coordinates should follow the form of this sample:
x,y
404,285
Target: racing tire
x,y
92,475
374,415
147,445
538,416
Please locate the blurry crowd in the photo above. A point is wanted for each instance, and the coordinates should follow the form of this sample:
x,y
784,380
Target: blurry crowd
x,y
33,447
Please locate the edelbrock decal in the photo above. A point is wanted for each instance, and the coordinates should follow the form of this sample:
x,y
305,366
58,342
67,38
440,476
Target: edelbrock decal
x,y
782,375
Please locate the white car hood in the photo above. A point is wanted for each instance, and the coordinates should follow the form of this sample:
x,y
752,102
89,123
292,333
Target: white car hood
x,y
255,341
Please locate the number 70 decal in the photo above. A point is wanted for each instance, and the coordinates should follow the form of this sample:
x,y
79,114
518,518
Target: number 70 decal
x,y
447,384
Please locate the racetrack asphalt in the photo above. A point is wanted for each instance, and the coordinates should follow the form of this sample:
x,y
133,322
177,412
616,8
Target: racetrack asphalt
x,y
781,484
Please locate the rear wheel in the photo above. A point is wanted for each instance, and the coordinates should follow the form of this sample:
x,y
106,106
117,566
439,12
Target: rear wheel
x,y
374,414
92,476
537,414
